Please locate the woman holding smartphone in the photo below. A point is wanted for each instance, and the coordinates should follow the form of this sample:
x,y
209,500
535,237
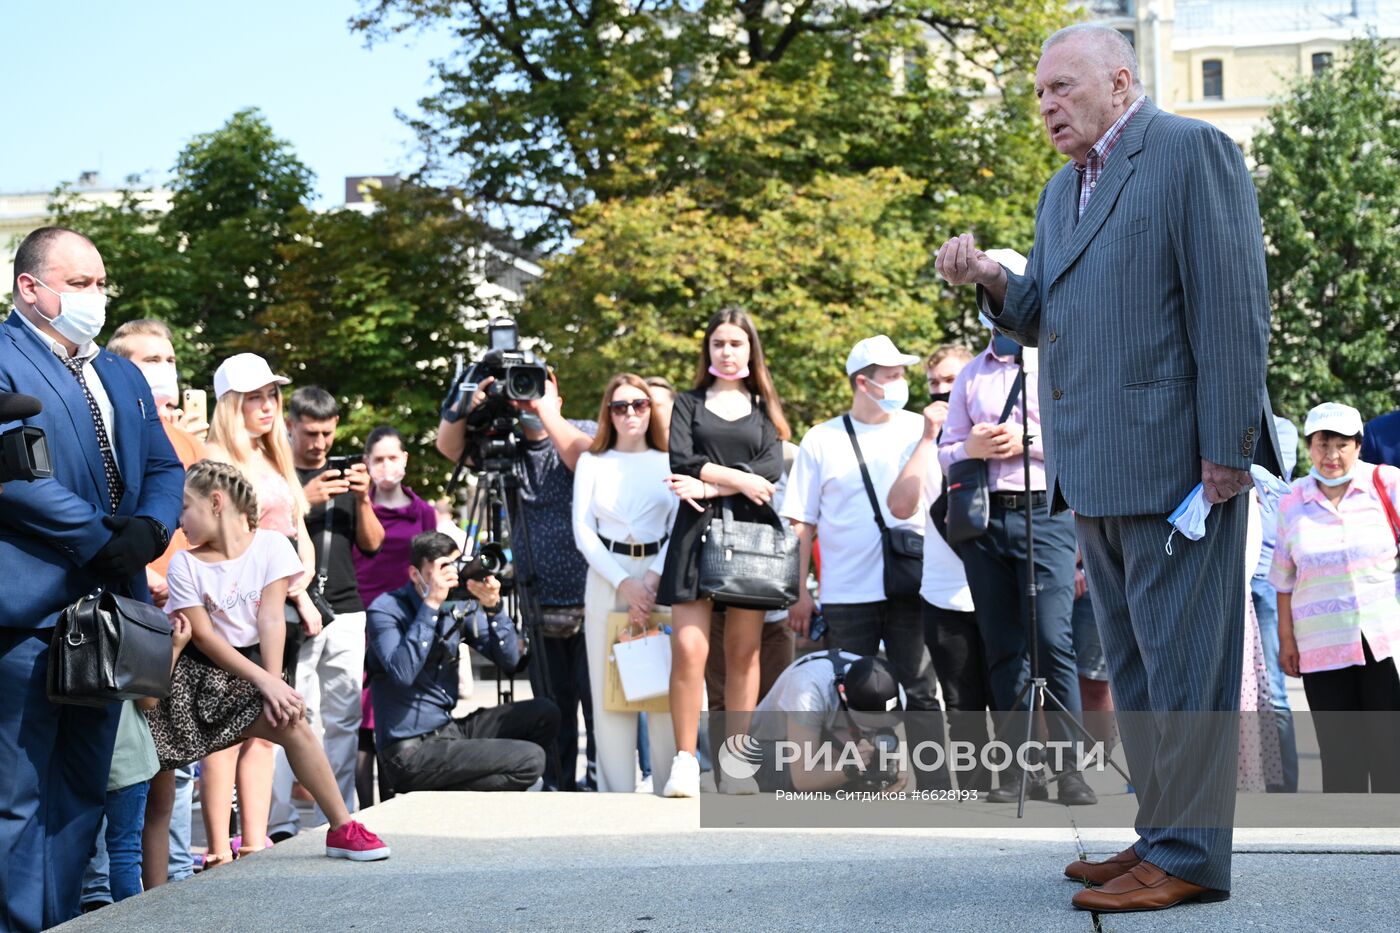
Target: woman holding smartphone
x,y
725,441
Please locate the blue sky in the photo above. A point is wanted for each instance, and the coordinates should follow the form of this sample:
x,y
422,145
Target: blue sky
x,y
119,86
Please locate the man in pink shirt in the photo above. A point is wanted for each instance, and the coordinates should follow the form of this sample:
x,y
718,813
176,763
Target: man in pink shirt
x,y
996,561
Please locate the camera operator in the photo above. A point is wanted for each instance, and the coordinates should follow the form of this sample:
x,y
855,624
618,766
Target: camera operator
x,y
549,561
415,639
832,698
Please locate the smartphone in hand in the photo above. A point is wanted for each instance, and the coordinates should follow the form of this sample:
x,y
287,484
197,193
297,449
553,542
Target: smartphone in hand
x,y
196,404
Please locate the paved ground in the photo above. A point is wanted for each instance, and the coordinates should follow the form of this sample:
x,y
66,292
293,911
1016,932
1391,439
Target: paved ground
x,y
634,863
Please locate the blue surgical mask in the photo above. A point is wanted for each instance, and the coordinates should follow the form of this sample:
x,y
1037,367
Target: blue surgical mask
x,y
1003,345
1332,481
531,421
896,395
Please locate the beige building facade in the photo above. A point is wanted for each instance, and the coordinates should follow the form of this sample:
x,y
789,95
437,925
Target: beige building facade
x,y
1227,61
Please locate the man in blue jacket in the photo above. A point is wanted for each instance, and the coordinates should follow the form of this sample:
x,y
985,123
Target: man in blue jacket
x,y
106,512
415,638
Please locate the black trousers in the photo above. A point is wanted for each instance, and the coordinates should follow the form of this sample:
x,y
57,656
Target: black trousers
x,y
1358,728
567,661
500,748
955,643
860,628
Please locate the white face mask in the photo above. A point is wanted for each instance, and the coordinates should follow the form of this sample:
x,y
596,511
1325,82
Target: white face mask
x,y
163,380
896,395
80,315
388,474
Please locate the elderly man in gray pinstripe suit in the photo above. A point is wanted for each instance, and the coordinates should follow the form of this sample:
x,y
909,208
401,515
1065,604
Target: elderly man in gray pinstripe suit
x,y
1146,294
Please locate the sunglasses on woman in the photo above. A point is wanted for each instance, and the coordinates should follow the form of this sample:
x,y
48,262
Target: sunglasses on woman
x,y
638,405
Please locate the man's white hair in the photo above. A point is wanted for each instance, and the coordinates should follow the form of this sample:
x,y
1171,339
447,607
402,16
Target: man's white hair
x,y
1111,47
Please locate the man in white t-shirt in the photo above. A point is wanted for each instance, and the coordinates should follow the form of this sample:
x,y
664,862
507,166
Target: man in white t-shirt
x,y
827,496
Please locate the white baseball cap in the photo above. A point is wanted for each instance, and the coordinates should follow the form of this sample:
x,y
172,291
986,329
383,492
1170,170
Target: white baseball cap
x,y
1335,417
244,372
877,351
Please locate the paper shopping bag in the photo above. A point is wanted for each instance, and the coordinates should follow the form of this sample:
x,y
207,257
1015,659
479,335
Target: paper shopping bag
x,y
644,662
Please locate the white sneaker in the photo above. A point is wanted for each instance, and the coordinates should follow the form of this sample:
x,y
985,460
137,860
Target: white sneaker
x,y
739,786
644,786
685,776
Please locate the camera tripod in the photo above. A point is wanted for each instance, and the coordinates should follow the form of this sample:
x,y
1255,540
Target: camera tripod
x,y
494,499
1036,691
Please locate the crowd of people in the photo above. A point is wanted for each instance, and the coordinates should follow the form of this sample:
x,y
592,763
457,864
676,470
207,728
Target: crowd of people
x,y
319,610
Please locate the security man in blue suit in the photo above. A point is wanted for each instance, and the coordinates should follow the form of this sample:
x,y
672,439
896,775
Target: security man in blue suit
x,y
107,511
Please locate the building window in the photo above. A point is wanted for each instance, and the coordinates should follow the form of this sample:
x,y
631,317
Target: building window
x,y
1212,79
1321,61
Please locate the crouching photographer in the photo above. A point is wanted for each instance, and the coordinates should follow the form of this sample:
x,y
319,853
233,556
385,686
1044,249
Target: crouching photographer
x,y
416,634
831,721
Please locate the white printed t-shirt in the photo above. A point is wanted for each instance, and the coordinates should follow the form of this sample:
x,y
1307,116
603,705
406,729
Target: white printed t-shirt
x,y
231,590
825,490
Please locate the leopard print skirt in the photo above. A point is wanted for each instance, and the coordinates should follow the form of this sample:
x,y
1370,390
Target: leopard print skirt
x,y
207,710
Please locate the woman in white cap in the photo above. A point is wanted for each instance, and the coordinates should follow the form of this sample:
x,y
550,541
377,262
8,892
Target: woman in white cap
x,y
1338,614
247,430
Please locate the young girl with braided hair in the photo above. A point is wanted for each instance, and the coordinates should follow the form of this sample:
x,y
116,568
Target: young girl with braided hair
x,y
227,685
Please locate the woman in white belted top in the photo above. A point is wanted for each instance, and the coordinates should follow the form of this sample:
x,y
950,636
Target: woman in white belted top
x,y
623,512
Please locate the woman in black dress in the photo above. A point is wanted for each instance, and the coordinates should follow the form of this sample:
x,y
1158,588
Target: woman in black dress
x,y
726,440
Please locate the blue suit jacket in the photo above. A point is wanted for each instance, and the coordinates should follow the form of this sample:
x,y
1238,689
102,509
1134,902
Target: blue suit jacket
x,y
51,528
1151,313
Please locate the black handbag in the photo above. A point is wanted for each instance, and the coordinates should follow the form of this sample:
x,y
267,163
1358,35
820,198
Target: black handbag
x,y
968,499
108,648
901,548
748,565
316,589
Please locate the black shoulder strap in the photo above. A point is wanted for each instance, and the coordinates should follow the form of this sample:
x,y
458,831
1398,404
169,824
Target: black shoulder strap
x,y
864,473
1012,398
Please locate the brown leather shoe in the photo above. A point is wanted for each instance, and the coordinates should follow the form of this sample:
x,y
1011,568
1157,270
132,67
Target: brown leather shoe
x,y
1105,871
1144,887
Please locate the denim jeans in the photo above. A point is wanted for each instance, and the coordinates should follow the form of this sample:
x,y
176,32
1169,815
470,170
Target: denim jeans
x,y
1266,609
114,871
996,572
181,863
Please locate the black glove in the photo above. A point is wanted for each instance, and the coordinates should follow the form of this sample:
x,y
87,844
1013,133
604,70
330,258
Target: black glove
x,y
134,544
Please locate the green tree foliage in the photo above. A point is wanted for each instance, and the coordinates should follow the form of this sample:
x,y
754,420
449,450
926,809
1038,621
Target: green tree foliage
x,y
1329,193
370,306
803,161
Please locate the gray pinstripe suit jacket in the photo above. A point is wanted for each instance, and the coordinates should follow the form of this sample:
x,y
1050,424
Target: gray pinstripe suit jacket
x,y
1151,314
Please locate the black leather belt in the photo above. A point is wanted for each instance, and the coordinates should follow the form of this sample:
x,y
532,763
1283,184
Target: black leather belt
x,y
1015,501
631,549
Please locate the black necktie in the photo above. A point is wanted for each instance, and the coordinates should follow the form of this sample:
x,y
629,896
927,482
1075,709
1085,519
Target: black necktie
x,y
109,460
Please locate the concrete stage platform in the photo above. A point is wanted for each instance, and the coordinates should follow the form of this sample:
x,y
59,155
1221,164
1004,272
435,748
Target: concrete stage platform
x,y
637,864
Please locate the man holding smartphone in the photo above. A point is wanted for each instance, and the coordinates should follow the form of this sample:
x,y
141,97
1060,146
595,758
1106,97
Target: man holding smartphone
x,y
330,667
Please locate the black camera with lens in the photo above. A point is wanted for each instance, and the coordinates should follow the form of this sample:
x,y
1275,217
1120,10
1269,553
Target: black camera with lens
x,y
491,560
24,451
883,770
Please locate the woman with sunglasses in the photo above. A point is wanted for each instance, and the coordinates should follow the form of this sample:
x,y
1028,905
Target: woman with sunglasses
x,y
725,440
622,517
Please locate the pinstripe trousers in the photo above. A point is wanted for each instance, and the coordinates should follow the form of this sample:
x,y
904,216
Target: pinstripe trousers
x,y
1173,637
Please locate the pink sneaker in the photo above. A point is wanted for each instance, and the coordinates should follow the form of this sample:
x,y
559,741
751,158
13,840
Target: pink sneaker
x,y
356,843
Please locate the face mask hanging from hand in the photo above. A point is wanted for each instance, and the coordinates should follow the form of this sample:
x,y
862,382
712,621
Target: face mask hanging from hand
x,y
81,315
